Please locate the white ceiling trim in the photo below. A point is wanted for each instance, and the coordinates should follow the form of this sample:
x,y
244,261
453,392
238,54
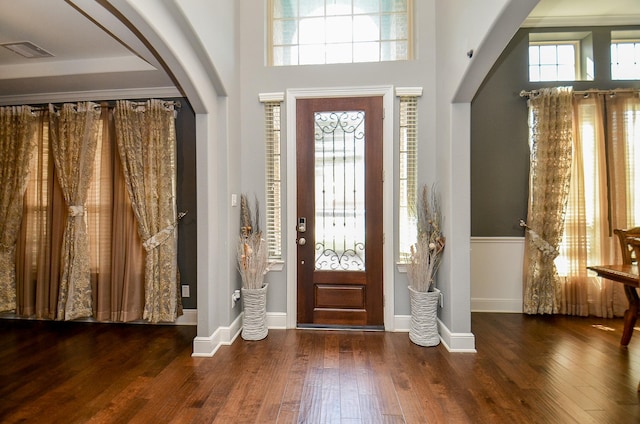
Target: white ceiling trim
x,y
573,21
75,67
80,96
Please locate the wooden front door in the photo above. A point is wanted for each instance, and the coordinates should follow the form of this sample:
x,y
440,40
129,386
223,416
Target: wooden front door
x,y
339,207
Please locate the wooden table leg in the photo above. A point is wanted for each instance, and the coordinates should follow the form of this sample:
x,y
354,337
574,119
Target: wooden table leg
x,y
630,315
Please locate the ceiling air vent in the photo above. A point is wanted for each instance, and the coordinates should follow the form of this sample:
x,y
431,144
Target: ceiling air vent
x,y
27,49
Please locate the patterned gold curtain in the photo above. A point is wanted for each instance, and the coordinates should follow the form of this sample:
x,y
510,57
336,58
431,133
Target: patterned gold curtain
x,y
74,132
17,129
550,135
146,144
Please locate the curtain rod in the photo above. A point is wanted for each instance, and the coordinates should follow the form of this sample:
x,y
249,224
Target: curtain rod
x,y
108,103
533,93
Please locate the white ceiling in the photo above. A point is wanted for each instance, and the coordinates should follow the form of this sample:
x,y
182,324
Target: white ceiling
x,y
584,12
108,57
98,54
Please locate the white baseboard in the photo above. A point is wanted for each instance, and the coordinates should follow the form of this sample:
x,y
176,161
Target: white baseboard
x,y
454,342
401,323
189,317
277,320
496,305
223,336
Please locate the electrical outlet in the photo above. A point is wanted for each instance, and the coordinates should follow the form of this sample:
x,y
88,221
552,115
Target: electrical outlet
x,y
185,290
235,296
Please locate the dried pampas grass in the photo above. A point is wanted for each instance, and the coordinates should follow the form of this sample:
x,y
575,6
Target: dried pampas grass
x,y
252,260
426,253
252,250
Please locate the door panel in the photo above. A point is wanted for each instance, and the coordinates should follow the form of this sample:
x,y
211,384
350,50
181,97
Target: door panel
x,y
339,190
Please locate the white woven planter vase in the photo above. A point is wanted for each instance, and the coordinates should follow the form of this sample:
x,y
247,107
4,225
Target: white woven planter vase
x,y
254,325
423,330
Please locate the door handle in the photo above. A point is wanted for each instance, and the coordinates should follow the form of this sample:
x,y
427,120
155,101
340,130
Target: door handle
x,y
302,224
302,241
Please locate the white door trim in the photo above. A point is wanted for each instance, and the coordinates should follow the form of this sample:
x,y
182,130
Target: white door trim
x,y
386,91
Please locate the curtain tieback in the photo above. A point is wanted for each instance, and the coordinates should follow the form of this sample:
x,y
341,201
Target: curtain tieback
x,y
76,211
541,244
162,235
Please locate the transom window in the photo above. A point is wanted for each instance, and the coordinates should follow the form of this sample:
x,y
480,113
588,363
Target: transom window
x,y
311,32
561,56
552,62
625,55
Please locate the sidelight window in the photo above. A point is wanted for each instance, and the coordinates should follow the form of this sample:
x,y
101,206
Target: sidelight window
x,y
272,109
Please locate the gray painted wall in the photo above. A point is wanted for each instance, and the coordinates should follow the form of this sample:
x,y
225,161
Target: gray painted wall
x,y
186,200
499,132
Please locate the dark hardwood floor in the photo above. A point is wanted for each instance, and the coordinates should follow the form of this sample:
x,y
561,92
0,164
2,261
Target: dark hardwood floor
x,y
527,370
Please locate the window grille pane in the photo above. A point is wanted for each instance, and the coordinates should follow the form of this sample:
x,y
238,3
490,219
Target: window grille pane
x,y
366,6
566,72
566,55
285,9
365,28
548,55
366,52
312,31
394,27
394,6
285,32
548,73
393,49
534,73
339,29
309,7
287,55
340,53
312,54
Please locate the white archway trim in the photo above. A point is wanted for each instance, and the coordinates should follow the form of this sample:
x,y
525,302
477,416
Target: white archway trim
x,y
386,91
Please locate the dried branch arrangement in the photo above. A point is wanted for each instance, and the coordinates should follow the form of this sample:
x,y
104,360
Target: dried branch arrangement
x,y
426,253
252,251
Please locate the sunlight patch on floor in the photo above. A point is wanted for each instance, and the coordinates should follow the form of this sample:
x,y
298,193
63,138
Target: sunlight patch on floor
x,y
603,327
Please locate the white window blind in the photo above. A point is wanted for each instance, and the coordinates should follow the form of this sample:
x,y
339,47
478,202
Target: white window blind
x,y
272,178
408,171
